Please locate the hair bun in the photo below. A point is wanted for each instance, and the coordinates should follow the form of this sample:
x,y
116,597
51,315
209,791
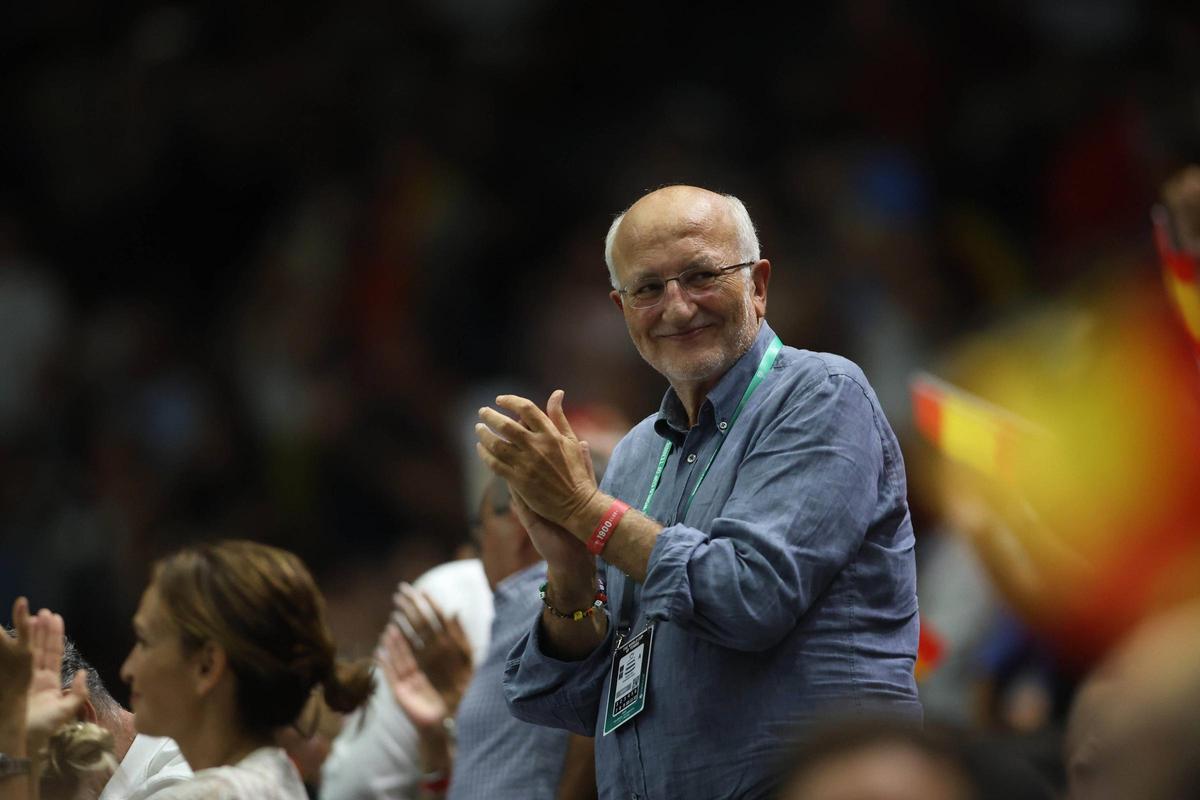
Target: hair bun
x,y
73,752
349,685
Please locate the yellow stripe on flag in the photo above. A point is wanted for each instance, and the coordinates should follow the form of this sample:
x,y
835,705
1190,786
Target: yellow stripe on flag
x,y
970,436
968,429
1186,295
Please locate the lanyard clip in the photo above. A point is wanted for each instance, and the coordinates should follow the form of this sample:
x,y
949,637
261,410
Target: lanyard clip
x,y
622,633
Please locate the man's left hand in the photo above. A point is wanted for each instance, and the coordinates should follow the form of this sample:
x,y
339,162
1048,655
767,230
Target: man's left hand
x,y
539,455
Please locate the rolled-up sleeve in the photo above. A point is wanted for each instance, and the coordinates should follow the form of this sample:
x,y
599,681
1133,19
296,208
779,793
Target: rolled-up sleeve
x,y
804,497
559,694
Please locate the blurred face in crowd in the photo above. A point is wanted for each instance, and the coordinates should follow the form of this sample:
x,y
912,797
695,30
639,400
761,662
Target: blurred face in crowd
x,y
503,547
1088,737
1135,728
691,339
162,689
885,771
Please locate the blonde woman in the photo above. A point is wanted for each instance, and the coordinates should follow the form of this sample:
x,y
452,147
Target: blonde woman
x,y
231,644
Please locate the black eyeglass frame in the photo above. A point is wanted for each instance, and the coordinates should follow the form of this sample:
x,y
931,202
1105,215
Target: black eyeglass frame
x,y
721,271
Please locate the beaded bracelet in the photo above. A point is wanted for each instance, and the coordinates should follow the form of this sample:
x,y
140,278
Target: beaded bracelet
x,y
599,601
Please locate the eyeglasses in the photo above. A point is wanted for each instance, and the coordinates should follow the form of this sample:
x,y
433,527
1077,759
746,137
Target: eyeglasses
x,y
695,282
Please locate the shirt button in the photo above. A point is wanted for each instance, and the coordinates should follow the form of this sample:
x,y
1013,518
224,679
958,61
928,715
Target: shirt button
x,y
722,424
691,458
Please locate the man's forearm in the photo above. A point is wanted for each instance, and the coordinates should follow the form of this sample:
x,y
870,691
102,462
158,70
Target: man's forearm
x,y
628,548
572,586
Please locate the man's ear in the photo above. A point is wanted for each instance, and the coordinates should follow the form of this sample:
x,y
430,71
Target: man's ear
x,y
616,298
760,275
210,663
87,713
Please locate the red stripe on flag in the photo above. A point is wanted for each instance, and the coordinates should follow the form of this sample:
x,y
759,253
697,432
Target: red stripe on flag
x,y
1181,264
930,650
927,410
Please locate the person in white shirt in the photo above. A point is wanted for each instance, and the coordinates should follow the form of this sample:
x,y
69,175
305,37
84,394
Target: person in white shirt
x,y
147,764
375,755
231,644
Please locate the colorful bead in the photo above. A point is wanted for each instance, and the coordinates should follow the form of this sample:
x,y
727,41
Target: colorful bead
x,y
599,602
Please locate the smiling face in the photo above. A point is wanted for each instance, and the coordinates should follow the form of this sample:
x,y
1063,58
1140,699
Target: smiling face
x,y
691,340
159,673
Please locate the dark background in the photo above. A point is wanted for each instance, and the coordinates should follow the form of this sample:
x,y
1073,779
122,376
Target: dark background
x,y
260,262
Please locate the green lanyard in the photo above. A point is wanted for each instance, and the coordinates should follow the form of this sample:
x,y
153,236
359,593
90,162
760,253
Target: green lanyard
x,y
764,366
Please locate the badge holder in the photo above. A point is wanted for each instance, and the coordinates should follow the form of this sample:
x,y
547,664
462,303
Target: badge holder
x,y
628,679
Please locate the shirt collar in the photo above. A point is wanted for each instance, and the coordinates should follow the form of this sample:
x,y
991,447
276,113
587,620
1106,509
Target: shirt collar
x,y
672,422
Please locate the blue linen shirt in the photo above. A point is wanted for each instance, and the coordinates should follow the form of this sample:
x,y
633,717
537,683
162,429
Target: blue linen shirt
x,y
787,591
499,756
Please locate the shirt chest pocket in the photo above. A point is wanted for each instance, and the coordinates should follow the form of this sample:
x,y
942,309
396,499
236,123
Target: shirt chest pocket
x,y
705,506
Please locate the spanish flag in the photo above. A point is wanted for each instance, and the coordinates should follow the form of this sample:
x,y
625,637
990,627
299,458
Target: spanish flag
x,y
1180,274
1084,460
967,429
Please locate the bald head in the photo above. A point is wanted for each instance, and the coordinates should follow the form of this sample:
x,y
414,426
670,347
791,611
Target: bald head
x,y
681,212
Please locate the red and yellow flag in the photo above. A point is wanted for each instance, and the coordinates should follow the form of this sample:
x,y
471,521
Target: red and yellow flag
x,y
1181,276
966,428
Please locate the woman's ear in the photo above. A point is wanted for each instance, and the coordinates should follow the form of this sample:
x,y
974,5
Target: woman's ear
x,y
210,663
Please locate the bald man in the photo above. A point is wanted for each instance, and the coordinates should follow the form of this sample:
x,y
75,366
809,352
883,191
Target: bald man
x,y
755,548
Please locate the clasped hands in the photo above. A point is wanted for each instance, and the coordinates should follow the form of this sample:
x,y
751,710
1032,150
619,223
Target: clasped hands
x,y
30,685
548,469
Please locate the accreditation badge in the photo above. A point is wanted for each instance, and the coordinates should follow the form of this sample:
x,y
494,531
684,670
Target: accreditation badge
x,y
628,679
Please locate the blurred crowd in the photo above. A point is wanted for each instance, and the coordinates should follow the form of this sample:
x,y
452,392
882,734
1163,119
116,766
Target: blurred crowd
x,y
259,267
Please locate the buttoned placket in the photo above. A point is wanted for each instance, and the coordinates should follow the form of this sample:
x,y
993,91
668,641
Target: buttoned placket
x,y
696,449
676,487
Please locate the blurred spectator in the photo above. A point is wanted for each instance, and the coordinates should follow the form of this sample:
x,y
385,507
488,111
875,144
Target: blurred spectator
x,y
376,755
145,764
1135,728
883,760
251,267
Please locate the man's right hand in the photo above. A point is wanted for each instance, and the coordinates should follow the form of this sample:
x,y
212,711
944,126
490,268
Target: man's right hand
x,y
565,555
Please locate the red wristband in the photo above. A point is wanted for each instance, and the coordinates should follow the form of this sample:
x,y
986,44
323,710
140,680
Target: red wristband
x,y
437,783
608,524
